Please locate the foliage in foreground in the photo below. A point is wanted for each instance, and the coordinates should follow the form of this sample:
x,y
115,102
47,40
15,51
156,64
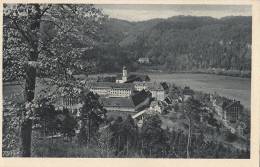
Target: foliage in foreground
x,y
123,139
46,40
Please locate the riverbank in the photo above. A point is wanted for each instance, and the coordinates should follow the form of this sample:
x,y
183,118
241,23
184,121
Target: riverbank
x,y
227,86
232,73
216,71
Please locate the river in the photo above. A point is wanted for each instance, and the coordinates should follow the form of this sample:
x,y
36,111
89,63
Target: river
x,y
231,87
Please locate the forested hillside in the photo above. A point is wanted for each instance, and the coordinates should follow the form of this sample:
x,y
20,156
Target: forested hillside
x,y
179,43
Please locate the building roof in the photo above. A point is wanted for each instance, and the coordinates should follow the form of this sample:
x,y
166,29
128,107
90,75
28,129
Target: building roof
x,y
140,97
122,86
112,85
130,102
155,86
117,102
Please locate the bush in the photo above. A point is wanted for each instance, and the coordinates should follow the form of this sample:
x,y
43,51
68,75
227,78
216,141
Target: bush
x,y
60,148
230,137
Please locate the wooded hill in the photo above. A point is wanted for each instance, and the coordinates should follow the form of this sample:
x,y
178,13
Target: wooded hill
x,y
179,43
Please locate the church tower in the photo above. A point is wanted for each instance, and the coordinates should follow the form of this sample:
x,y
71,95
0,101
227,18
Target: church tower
x,y
124,76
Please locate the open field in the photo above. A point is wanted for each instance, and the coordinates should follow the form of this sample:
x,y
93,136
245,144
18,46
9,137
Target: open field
x,y
231,87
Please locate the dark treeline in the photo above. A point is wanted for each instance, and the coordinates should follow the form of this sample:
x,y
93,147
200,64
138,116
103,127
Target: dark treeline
x,y
102,136
181,43
126,140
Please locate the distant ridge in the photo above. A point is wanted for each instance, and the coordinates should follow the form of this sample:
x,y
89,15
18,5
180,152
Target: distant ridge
x,y
178,43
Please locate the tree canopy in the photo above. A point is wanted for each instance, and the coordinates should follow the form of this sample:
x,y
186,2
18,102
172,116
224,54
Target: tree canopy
x,y
46,41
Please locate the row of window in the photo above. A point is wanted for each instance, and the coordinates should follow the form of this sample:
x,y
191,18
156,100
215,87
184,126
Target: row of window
x,y
70,101
111,91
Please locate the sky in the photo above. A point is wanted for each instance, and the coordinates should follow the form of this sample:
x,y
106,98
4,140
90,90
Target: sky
x,y
135,12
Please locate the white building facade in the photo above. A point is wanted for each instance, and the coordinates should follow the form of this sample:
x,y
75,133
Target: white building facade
x,y
110,89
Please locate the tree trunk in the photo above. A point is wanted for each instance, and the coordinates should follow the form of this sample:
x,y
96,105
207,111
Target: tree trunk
x,y
127,146
26,132
26,127
89,126
30,77
189,139
142,145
